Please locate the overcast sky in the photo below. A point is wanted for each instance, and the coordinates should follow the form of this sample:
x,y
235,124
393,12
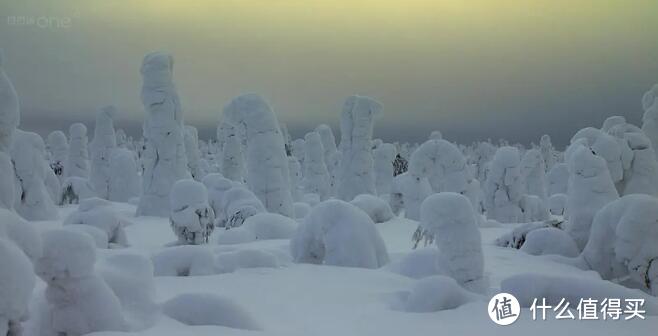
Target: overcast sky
x,y
471,69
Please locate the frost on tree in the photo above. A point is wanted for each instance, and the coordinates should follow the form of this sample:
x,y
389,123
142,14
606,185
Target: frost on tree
x,y
450,218
232,157
191,138
383,157
590,189
59,149
34,201
413,189
533,172
557,179
101,151
164,157
9,109
79,302
239,203
75,189
77,161
650,117
316,177
356,126
191,217
338,233
267,164
299,150
331,155
217,186
504,186
547,152
124,182
642,176
295,172
7,182
623,242
606,146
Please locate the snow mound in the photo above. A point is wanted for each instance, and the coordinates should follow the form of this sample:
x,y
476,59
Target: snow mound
x,y
99,213
130,276
16,283
99,236
196,309
184,260
250,258
517,237
191,217
436,293
340,234
417,264
21,232
528,286
270,226
66,254
378,209
234,236
301,209
550,240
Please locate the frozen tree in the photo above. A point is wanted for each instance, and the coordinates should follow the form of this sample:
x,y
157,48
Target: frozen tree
x,y
356,126
77,161
164,158
642,177
78,300
299,150
557,179
316,176
59,149
331,154
74,189
612,122
414,190
28,154
378,209
192,219
99,213
590,189
7,182
340,234
557,204
124,181
191,138
547,152
16,284
650,117
9,109
436,135
503,187
623,241
383,157
267,164
122,138
533,208
443,164
101,150
232,158
295,171
451,219
400,165
607,147
533,172
217,186
238,204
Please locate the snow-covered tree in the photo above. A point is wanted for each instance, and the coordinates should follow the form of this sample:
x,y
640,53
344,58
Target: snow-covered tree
x,y
99,213
232,158
451,219
383,157
267,164
164,158
101,150
28,154
79,302
504,186
623,239
607,147
316,176
238,204
9,109
650,117
414,189
557,179
533,172
331,155
295,171
191,138
217,186
642,177
192,219
16,284
124,182
59,150
77,161
299,150
7,182
590,189
356,126
340,234
547,152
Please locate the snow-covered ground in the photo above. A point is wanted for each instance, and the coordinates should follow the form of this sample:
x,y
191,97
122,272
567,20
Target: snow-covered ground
x,y
304,299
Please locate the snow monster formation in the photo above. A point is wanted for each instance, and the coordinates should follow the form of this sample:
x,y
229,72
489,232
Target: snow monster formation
x,y
101,151
356,171
165,161
267,164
